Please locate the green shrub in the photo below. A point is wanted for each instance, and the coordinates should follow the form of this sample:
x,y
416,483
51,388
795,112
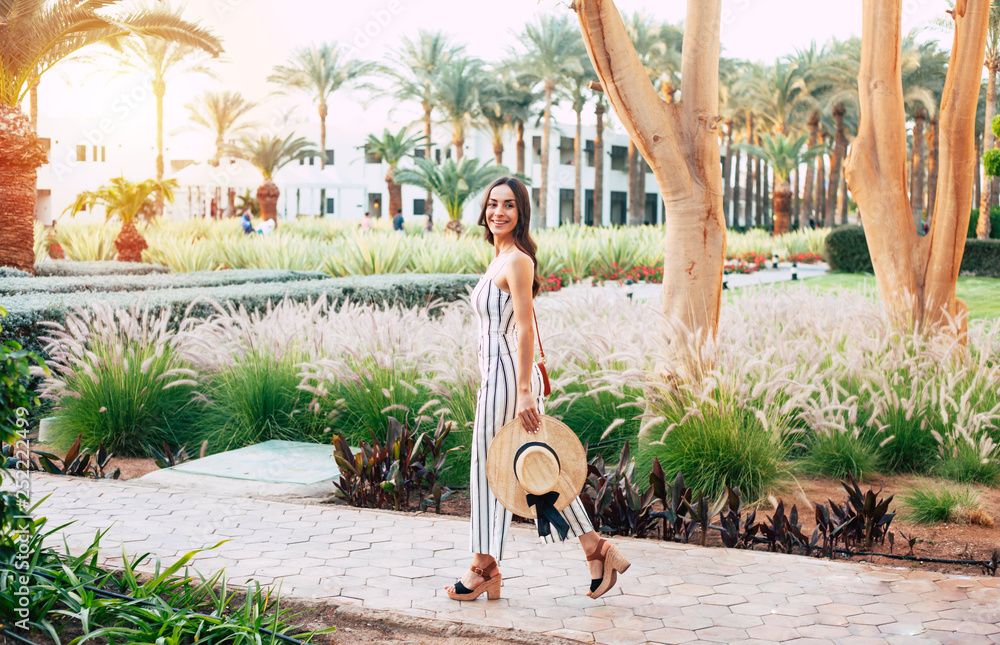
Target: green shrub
x,y
16,398
839,454
934,504
967,466
981,258
994,223
379,393
912,447
846,250
255,399
716,447
124,396
70,268
590,415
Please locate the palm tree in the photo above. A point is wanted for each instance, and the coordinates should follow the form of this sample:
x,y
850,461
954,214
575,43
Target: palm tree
x,y
924,68
992,64
269,154
841,101
319,71
576,88
783,155
457,96
222,114
599,110
496,114
163,61
37,35
553,43
413,75
453,182
126,200
392,148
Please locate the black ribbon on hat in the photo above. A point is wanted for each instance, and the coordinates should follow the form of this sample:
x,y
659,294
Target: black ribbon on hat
x,y
545,508
545,505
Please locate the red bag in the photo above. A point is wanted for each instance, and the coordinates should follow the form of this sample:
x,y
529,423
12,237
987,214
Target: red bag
x,y
547,388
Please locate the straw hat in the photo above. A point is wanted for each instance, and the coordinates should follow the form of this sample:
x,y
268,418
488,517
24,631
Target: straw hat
x,y
521,464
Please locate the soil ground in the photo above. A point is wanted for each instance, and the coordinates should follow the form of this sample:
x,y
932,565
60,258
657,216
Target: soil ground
x,y
949,541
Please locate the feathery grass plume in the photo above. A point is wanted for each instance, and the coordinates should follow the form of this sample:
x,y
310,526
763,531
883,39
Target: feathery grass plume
x,y
117,379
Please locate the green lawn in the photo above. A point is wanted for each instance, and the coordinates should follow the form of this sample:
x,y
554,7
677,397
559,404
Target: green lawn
x,y
981,294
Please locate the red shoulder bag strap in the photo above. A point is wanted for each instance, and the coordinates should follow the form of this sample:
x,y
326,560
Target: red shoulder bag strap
x,y
538,335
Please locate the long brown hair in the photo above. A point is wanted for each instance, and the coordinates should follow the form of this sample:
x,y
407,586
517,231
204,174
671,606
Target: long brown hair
x,y
522,238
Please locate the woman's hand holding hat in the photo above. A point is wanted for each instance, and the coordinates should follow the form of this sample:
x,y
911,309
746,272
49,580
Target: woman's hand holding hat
x,y
528,413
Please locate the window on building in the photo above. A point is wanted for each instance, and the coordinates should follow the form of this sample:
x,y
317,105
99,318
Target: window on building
x,y
302,161
565,206
588,153
419,207
329,157
651,200
566,151
619,158
102,153
329,205
618,202
371,156
312,160
535,193
588,207
81,153
536,149
93,157
420,153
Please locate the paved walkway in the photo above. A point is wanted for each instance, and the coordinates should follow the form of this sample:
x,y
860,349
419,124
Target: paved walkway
x,y
672,594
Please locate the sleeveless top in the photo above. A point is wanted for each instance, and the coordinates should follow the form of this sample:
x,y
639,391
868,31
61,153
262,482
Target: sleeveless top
x,y
494,311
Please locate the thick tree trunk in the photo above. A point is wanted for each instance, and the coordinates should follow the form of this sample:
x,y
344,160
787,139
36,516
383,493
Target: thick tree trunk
x,y
267,195
395,192
520,147
130,243
20,155
916,275
736,189
543,188
599,165
917,170
727,169
782,207
986,197
836,163
808,212
429,199
578,171
680,142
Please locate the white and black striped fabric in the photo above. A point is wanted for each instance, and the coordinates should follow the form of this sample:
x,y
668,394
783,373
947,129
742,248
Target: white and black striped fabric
x,y
496,403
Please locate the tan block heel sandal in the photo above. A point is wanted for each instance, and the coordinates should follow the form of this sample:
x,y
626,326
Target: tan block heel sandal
x,y
614,563
491,585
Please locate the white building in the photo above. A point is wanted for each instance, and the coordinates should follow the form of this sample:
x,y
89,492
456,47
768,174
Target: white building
x,y
83,154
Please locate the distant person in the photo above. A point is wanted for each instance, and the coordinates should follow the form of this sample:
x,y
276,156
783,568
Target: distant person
x,y
397,220
367,222
925,226
429,226
246,222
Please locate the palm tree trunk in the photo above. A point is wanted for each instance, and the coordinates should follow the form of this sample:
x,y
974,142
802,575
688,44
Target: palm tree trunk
x,y
748,204
842,199
520,147
543,188
765,196
932,166
640,187
458,140
727,169
498,151
979,186
17,217
782,207
130,243
735,206
808,212
821,189
917,174
986,196
267,195
429,199
836,163
795,199
578,171
599,165
159,89
633,185
323,112
33,106
395,192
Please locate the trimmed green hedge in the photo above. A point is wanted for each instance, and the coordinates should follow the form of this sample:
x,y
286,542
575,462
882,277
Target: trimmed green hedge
x,y
153,281
11,272
69,268
27,311
847,250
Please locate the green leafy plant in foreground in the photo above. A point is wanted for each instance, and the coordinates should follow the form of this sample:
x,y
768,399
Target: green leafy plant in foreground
x,y
16,397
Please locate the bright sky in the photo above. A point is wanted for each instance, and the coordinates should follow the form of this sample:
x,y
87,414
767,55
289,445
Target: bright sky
x,y
259,34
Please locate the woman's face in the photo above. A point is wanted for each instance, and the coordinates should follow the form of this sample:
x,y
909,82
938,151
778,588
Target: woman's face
x,y
501,210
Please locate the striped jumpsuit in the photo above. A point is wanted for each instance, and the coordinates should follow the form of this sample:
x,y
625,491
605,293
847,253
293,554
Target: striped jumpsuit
x,y
496,403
